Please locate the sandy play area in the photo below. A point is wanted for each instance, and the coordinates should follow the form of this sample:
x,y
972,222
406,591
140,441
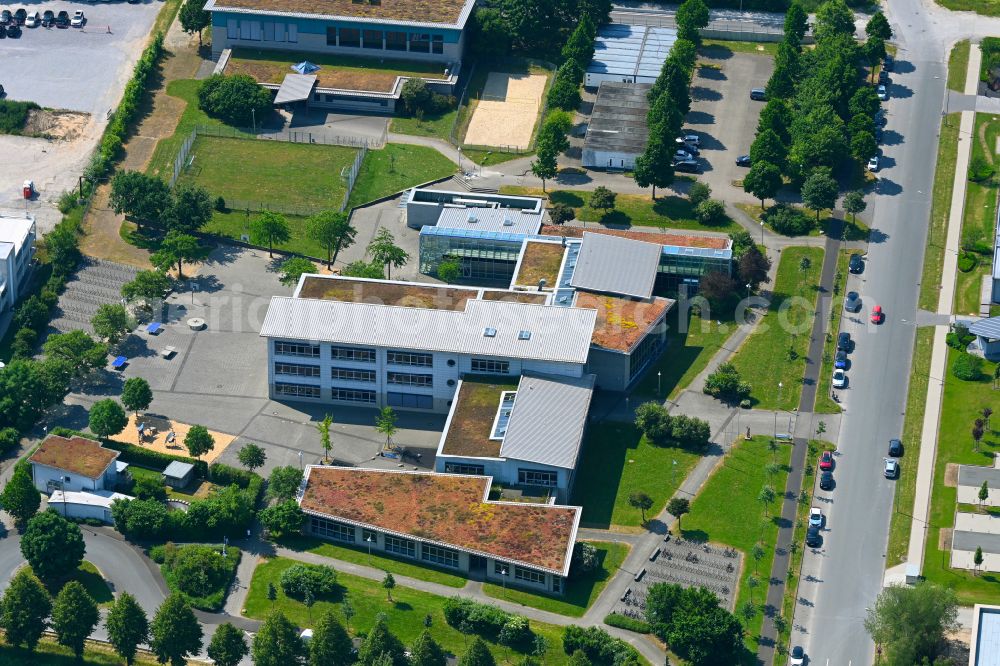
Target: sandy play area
x,y
158,441
506,113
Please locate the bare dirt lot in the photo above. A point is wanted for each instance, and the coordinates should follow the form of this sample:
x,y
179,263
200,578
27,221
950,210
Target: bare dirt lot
x,y
57,125
505,116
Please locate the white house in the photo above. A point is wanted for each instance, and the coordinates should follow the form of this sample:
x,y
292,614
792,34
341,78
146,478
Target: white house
x,y
74,464
93,505
17,248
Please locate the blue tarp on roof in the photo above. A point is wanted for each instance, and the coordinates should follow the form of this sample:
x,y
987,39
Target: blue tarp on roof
x,y
305,67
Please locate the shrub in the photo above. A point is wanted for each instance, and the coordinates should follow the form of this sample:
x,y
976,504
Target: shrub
x,y
237,100
627,623
699,192
149,488
788,221
220,204
13,115
967,261
516,632
585,558
710,211
967,367
560,213
484,619
725,384
598,645
67,201
199,570
299,578
980,169
9,438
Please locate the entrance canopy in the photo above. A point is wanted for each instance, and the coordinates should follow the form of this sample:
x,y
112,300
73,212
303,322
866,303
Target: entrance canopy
x,y
295,88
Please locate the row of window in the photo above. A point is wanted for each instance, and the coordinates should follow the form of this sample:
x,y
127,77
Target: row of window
x,y
393,399
267,31
390,40
330,98
354,375
463,468
392,357
520,573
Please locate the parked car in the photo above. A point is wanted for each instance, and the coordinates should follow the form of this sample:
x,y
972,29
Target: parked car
x,y
758,94
48,18
844,342
826,460
691,139
826,481
853,302
20,15
891,468
880,119
895,448
873,164
882,92
840,360
687,166
682,155
3,31
78,19
856,264
815,517
888,63
62,19
877,315
839,379
5,16
33,21
743,161
813,538
883,77
798,656
13,30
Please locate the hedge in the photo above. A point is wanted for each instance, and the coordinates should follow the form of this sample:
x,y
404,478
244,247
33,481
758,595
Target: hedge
x,y
137,455
627,623
224,475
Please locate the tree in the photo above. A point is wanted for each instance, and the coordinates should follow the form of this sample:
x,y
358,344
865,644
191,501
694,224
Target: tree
x,y
284,517
748,611
693,624
330,644
364,270
388,583
863,146
20,498
603,199
768,147
174,250
175,632
228,646
333,232
385,423
555,129
758,553
139,518
710,212
987,412
136,394
380,641
425,651
127,626
143,198
833,18
194,18
111,322
752,268
984,493
820,189
323,427
415,96
654,422
284,483
74,616
237,100
717,287
863,106
699,192
478,655
691,17
450,270
83,352
912,622
977,433
252,456
107,418
23,610
198,441
146,285
854,203
53,546
766,498
677,507
878,27
564,93
191,209
642,501
384,251
580,45
293,268
277,643
977,560
560,213
763,181
796,23
270,228
654,167
544,165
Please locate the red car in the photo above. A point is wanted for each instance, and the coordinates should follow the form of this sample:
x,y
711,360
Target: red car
x,y
877,315
826,461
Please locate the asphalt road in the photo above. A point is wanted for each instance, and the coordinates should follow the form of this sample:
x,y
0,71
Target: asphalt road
x,y
851,563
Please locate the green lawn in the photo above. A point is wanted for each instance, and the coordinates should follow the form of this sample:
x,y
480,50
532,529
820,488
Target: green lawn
x,y
398,567
958,65
852,229
437,125
671,212
727,511
50,653
824,402
618,461
722,49
979,215
775,352
405,615
283,175
581,591
212,601
395,168
491,157
689,349
937,232
913,422
984,7
959,408
92,580
141,472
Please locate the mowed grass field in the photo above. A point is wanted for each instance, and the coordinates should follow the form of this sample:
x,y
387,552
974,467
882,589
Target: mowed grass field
x,y
270,172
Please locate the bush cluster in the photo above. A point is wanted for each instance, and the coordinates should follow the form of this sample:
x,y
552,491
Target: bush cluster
x,y
788,221
13,115
299,578
200,572
726,384
627,623
488,621
419,100
967,367
959,337
599,646
237,100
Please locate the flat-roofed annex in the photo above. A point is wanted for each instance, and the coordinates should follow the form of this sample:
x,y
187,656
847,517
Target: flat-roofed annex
x,y
383,292
622,322
452,13
474,410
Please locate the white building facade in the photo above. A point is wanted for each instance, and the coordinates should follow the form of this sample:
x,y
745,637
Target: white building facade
x,y
17,249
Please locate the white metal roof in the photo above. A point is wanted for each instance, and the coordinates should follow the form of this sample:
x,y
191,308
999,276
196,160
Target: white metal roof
x,y
548,420
506,220
986,650
295,88
616,265
177,469
557,334
14,231
631,50
101,498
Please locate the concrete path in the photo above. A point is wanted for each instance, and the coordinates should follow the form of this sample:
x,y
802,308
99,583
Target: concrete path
x,y
939,354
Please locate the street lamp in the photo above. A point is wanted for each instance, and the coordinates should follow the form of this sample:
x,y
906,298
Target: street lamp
x,y
460,159
503,572
300,460
253,115
780,386
369,539
225,542
659,377
762,232
748,290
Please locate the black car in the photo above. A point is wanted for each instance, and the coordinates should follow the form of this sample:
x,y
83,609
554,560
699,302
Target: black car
x,y
5,16
844,342
743,160
853,302
14,30
895,448
48,18
878,135
758,95
826,480
20,15
813,539
687,166
883,77
857,264
888,63
62,19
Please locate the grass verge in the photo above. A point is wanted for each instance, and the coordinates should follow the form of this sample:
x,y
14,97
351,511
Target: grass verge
x,y
723,49
913,422
727,511
618,461
776,351
958,65
50,653
435,125
937,231
824,402
395,168
581,591
212,600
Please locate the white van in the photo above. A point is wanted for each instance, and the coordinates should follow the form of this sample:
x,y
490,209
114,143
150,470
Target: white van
x,y
32,20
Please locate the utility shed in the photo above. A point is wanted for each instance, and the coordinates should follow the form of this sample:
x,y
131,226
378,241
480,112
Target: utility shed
x,y
178,474
618,131
629,54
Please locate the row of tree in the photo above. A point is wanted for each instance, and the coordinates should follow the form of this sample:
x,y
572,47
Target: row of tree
x,y
534,28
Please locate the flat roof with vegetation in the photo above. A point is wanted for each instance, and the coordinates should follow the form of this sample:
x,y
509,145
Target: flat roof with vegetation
x,y
383,292
449,12
77,455
675,239
622,322
540,261
516,297
449,509
475,409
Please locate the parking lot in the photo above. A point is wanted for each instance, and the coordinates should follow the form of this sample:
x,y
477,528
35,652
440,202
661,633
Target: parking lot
x,y
80,69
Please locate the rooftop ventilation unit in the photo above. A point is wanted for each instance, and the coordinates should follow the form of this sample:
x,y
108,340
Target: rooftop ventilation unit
x,y
489,332
524,335
507,222
472,219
